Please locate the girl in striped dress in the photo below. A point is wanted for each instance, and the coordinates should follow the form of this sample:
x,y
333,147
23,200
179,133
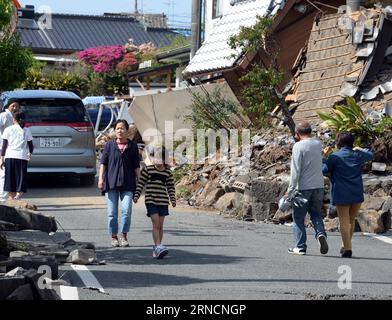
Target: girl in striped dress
x,y
158,182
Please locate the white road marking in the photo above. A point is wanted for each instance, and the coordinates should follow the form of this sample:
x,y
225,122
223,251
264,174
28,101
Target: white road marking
x,y
378,237
69,293
89,280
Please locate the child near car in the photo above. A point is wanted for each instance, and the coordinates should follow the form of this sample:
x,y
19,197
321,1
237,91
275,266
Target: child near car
x,y
159,192
16,150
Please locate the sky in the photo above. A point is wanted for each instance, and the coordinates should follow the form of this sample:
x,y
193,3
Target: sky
x,y
178,11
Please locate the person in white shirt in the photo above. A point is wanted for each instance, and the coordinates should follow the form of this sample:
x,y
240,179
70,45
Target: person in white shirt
x,y
6,120
15,153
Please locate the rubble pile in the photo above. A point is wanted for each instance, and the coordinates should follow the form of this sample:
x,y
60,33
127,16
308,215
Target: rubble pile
x,y
252,192
31,250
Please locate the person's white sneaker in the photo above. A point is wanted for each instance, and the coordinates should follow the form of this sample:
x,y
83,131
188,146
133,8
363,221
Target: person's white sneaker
x,y
115,242
300,251
124,242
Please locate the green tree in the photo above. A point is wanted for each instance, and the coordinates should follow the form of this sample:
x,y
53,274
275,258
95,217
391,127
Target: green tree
x,y
14,62
260,91
5,13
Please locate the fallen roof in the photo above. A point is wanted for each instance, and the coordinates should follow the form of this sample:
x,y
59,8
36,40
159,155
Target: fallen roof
x,y
73,33
215,53
343,58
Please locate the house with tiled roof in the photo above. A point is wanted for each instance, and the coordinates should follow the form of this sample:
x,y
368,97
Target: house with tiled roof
x,y
292,23
63,34
347,55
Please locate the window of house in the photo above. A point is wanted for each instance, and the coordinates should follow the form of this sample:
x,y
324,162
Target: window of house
x,y
217,8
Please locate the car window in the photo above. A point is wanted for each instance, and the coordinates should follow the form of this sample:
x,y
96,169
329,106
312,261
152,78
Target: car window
x,y
54,111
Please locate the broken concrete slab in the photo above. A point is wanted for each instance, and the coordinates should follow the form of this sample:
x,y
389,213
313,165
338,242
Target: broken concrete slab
x,y
282,217
370,221
41,290
27,219
373,203
82,256
18,254
331,225
15,272
33,262
213,197
9,284
24,293
379,166
8,226
3,244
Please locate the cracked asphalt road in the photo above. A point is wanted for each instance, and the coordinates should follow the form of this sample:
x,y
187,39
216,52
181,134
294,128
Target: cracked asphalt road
x,y
211,256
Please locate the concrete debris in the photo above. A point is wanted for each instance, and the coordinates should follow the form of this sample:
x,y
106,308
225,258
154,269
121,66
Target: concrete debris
x,y
18,254
15,272
82,256
27,219
378,166
371,221
8,226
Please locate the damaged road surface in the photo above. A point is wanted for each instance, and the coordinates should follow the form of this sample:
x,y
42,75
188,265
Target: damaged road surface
x,y
210,256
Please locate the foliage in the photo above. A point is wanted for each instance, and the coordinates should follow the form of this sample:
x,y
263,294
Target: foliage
x,y
176,42
260,91
127,64
259,94
179,173
54,80
102,59
212,111
252,39
384,125
14,63
184,193
350,118
5,13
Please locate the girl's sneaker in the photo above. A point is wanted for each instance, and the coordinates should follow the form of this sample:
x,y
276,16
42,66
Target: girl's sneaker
x,y
115,242
123,242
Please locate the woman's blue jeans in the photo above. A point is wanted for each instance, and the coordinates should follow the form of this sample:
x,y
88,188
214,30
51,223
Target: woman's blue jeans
x,y
112,198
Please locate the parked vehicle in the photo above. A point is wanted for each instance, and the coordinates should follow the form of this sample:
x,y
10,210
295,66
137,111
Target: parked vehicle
x,y
105,117
63,135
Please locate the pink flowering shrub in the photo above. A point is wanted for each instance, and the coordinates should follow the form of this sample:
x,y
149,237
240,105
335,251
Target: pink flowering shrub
x,y
102,59
128,63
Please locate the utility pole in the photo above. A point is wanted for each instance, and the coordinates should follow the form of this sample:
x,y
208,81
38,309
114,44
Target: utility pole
x,y
136,8
196,17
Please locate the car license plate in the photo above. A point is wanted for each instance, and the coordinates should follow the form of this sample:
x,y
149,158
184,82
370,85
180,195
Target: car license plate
x,y
49,142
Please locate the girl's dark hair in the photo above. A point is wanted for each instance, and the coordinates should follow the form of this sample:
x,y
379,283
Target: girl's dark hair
x,y
344,139
125,122
160,153
20,118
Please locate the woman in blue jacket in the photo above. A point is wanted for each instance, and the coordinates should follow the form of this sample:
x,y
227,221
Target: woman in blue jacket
x,y
344,168
120,167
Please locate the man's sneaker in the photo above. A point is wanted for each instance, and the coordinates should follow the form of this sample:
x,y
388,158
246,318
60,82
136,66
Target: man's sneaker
x,y
162,251
124,242
300,251
115,242
322,240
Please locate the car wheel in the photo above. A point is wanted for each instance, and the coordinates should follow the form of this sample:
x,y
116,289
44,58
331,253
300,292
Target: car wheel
x,y
87,180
